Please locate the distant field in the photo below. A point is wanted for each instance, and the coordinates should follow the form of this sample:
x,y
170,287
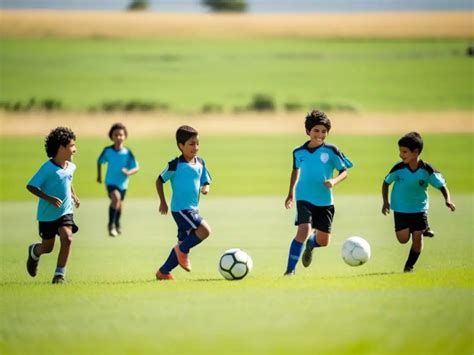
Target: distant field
x,y
113,305
188,74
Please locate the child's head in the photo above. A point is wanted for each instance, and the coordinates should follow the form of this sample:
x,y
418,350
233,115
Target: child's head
x,y
118,132
187,140
412,141
184,133
60,136
316,117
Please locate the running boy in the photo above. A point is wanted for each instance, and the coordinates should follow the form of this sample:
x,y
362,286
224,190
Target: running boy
x,y
52,183
120,165
313,166
188,176
409,198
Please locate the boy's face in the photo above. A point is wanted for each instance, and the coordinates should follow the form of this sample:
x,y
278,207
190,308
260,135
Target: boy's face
x,y
118,136
190,148
67,151
408,155
317,134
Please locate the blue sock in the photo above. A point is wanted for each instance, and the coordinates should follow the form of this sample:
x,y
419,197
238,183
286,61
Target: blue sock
x,y
170,263
190,241
60,271
312,241
112,215
295,251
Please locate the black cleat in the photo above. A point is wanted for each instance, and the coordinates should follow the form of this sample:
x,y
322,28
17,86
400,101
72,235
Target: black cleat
x,y
58,279
289,273
428,233
307,257
31,264
408,268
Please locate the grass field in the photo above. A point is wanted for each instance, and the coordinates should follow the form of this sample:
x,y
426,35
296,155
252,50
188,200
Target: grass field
x,y
113,305
187,74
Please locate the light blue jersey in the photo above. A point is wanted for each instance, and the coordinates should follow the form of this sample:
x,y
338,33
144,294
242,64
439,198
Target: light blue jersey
x,y
117,160
317,165
187,178
409,193
54,181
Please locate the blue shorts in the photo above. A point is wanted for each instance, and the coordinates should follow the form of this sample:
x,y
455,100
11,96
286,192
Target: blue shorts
x,y
111,188
320,217
187,221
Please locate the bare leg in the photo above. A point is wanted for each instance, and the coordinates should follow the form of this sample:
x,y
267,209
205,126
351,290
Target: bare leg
x,y
65,235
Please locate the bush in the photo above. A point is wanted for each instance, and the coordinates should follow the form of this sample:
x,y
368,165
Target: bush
x,y
293,106
211,108
226,5
138,5
262,102
31,105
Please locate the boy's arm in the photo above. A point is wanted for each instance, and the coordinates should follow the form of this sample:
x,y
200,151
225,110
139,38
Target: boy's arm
x,y
56,202
75,199
386,204
447,198
333,182
205,189
99,173
161,194
295,173
131,171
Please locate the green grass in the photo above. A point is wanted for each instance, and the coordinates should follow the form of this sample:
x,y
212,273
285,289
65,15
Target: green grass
x,y
113,305
368,75
246,165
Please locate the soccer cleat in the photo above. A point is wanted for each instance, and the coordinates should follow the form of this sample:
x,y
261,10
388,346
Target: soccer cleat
x,y
118,229
428,233
183,259
307,255
289,273
112,231
31,264
161,276
408,268
58,279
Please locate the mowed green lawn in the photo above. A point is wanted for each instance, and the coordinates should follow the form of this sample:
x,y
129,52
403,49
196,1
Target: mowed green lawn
x,y
365,75
112,304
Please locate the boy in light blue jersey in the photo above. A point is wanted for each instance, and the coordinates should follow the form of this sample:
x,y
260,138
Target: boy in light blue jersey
x,y
409,197
313,166
121,164
52,183
189,177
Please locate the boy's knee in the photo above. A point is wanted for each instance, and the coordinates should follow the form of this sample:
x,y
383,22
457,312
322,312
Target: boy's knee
x,y
46,249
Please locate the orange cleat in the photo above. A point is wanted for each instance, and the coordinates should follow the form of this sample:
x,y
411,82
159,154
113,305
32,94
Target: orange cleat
x,y
160,276
183,259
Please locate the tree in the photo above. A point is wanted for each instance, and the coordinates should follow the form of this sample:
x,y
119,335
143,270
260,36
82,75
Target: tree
x,y
226,5
138,5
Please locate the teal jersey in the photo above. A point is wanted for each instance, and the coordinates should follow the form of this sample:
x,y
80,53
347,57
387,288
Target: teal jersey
x,y
186,178
117,160
316,165
54,181
409,193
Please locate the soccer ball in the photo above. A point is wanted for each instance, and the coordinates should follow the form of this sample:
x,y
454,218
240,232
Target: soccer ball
x,y
355,251
235,264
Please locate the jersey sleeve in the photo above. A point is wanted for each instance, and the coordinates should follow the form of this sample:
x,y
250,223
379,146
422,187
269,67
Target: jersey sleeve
x,y
296,163
205,176
437,180
340,161
131,162
169,171
39,178
102,157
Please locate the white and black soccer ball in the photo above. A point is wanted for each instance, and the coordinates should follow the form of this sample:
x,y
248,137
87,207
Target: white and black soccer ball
x,y
235,264
355,251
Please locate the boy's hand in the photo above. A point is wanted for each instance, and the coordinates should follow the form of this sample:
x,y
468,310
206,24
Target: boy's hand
x,y
125,171
163,208
386,208
289,202
329,183
56,202
451,205
205,189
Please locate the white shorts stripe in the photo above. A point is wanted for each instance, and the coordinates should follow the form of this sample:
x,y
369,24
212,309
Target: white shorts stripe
x,y
188,220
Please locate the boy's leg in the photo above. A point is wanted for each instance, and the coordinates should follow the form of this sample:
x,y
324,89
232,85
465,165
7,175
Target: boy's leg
x,y
34,253
322,221
315,240
65,235
415,250
296,247
115,204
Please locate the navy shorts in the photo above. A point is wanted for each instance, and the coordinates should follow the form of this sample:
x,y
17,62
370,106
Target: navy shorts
x,y
48,230
111,188
320,217
187,221
414,221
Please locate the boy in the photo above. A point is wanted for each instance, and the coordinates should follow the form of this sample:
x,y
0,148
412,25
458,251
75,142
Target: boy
x,y
120,165
313,166
188,176
53,185
409,199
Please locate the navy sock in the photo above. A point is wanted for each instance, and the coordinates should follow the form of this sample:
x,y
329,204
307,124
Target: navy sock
x,y
117,217
190,241
170,263
412,258
294,255
112,215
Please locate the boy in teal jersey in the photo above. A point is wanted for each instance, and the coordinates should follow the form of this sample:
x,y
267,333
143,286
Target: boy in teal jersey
x,y
311,185
409,197
121,164
52,183
189,177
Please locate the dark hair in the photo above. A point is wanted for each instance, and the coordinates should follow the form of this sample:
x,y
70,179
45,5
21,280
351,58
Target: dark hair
x,y
184,133
117,126
411,141
316,117
57,137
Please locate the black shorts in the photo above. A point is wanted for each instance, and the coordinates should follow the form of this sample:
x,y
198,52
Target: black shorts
x,y
414,221
111,188
320,217
48,230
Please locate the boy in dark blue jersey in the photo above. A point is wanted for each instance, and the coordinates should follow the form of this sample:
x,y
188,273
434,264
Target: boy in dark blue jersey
x,y
189,177
120,165
409,197
311,185
52,183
